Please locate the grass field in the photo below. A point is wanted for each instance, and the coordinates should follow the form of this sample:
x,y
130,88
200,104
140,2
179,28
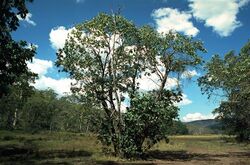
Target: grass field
x,y
69,148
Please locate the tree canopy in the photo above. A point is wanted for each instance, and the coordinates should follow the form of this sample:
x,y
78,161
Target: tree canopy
x,y
229,77
13,55
107,57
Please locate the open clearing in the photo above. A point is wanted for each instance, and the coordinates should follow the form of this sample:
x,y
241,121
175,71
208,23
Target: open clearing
x,y
70,148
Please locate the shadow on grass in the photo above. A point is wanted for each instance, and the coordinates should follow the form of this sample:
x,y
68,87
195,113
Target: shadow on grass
x,y
10,154
62,154
7,151
186,156
172,156
123,163
240,154
180,156
31,155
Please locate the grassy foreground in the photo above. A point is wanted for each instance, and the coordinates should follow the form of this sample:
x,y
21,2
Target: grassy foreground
x,y
70,148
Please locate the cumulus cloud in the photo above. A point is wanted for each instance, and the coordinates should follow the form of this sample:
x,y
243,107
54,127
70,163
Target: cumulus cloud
x,y
185,101
27,19
39,66
149,83
189,74
60,86
58,37
168,19
197,116
220,15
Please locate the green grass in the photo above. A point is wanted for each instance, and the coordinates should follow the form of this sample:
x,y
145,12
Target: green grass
x,y
45,146
72,148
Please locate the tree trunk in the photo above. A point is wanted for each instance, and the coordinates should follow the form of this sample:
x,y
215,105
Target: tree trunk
x,y
113,130
14,119
163,83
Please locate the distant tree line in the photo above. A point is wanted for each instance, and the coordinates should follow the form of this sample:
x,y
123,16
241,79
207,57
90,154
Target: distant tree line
x,y
44,110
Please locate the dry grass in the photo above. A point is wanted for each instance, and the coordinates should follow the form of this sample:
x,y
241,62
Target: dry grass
x,y
200,144
71,148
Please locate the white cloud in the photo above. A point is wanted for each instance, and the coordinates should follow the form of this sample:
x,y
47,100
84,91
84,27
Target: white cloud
x,y
149,83
189,74
168,19
221,15
27,19
60,86
197,116
58,37
40,66
184,101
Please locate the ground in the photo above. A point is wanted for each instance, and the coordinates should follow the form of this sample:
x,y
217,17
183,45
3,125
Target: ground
x,y
71,148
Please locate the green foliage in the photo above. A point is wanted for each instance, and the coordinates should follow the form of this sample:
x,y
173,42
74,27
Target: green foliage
x,y
9,11
178,128
202,127
12,103
40,110
43,110
147,122
231,77
77,117
235,116
107,56
13,55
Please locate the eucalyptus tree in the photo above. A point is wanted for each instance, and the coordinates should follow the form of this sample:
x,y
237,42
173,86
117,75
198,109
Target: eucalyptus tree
x,y
229,77
40,111
108,57
11,104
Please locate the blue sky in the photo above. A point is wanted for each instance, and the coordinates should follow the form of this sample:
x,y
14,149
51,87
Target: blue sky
x,y
222,25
